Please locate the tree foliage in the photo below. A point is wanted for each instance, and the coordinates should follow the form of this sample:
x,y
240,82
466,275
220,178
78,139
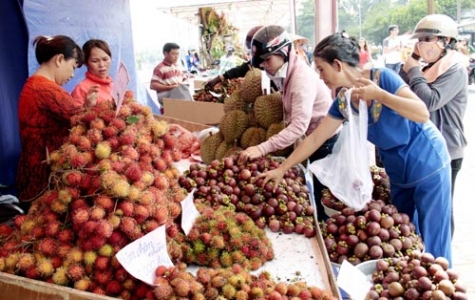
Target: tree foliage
x,y
377,15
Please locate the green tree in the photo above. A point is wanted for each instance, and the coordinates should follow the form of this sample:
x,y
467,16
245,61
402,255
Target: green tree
x,y
306,21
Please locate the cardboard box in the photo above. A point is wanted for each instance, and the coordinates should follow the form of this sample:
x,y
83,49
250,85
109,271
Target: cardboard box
x,y
191,126
209,113
199,83
14,287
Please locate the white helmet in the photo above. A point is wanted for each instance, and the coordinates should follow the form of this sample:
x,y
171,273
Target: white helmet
x,y
436,25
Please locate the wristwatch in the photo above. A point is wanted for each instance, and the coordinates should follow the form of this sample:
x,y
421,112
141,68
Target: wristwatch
x,y
415,56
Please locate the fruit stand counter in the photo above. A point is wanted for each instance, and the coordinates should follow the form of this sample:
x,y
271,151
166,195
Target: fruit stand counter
x,y
14,287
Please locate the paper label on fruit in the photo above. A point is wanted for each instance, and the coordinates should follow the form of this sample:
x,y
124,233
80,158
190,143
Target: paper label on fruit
x,y
189,213
141,257
120,86
353,281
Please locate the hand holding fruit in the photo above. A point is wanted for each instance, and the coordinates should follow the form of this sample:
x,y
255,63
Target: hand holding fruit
x,y
276,175
91,96
211,83
249,154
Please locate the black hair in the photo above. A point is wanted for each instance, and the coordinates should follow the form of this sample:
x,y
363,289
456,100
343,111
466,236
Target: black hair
x,y
87,47
46,47
169,47
392,27
337,46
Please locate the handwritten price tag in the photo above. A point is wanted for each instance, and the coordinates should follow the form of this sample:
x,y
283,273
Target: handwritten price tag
x,y
189,212
142,257
120,86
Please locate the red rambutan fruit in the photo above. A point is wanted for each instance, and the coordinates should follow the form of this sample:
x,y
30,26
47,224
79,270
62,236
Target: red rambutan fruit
x,y
127,225
97,213
26,261
162,289
160,214
48,247
130,153
117,238
105,202
113,288
104,229
118,166
150,226
72,178
102,263
89,227
63,249
97,124
133,172
65,235
75,272
88,116
102,277
78,160
121,274
109,131
18,220
52,228
141,213
126,139
113,142
160,164
97,242
5,230
94,135
127,208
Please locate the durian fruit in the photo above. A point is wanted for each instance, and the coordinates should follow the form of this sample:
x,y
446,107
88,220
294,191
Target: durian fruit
x,y
233,124
209,146
234,150
253,136
251,86
252,118
234,102
222,149
268,109
273,130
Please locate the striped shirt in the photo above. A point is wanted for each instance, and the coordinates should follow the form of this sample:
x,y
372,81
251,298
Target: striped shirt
x,y
168,74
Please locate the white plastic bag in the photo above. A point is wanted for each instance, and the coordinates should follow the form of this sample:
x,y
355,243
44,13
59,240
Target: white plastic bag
x,y
346,171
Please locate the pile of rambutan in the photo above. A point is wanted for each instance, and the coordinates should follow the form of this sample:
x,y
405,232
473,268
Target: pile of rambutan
x,y
286,208
112,182
234,282
220,238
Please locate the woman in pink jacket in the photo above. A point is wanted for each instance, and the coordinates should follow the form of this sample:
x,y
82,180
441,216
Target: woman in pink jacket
x,y
305,97
97,84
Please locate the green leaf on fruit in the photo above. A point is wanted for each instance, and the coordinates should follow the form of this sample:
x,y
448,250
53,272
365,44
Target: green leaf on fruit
x,y
134,119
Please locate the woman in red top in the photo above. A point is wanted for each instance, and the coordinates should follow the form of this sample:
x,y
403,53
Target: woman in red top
x,y
97,84
365,54
44,111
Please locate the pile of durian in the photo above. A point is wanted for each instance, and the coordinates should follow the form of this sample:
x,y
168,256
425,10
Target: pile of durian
x,y
251,117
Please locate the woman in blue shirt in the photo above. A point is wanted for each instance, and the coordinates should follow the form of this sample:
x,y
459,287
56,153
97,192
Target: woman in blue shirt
x,y
413,151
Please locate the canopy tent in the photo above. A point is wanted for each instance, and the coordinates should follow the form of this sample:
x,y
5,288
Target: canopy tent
x,y
243,14
20,22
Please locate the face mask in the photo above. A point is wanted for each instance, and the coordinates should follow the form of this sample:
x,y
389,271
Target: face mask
x,y
430,51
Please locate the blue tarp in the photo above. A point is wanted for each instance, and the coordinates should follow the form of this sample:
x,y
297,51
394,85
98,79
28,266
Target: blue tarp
x,y
83,20
13,73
